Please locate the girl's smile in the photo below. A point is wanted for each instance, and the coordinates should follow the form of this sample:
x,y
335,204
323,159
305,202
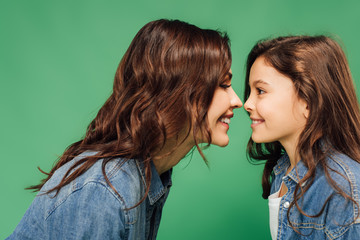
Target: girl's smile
x,y
256,122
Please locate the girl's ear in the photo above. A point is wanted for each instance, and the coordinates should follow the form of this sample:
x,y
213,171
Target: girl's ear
x,y
306,110
303,108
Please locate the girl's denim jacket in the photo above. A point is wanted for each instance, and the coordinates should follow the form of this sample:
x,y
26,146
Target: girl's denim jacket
x,y
340,218
88,208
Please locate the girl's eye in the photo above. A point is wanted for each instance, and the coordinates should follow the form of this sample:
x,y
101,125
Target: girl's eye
x,y
260,91
225,85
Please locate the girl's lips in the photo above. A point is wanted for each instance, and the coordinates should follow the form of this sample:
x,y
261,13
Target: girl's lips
x,y
256,122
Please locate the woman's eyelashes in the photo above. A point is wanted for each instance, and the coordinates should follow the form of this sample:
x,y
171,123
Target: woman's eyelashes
x,y
223,85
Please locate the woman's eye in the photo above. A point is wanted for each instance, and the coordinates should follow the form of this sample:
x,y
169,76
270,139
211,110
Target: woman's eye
x,y
225,85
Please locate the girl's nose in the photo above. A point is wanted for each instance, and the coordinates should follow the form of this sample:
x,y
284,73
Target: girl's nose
x,y
248,105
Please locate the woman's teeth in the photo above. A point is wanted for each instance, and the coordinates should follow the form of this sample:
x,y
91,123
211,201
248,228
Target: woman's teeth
x,y
225,120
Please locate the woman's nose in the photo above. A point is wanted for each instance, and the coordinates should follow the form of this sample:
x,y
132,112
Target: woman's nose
x,y
235,101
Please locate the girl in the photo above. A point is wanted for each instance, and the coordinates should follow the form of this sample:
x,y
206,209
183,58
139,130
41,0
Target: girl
x,y
172,91
306,125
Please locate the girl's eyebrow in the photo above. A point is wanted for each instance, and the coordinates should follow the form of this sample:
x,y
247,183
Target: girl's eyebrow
x,y
259,81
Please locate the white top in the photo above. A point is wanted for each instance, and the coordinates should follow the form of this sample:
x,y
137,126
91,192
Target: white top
x,y
274,206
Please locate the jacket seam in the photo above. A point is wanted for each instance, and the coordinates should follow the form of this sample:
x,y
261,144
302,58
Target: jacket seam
x,y
57,204
352,182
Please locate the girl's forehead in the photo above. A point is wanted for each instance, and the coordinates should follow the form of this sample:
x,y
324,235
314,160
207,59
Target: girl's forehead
x,y
263,73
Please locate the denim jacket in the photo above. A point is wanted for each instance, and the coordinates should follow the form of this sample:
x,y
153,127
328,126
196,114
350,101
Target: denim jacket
x,y
340,218
88,208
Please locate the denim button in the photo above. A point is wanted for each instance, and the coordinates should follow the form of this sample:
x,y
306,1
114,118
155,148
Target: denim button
x,y
286,204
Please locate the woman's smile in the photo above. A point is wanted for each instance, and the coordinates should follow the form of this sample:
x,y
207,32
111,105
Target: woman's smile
x,y
225,120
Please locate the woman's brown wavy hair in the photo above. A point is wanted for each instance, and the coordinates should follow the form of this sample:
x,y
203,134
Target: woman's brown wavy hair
x,y
319,70
164,85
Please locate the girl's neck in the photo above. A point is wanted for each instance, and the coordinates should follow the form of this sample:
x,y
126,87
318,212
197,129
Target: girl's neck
x,y
294,156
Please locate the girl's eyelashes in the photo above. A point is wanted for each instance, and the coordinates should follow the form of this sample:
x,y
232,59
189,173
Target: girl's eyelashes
x,y
260,91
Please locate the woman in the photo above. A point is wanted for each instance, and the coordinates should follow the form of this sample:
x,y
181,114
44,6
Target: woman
x,y
172,91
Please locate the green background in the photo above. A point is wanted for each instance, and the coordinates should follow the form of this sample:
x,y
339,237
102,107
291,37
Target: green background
x,y
57,62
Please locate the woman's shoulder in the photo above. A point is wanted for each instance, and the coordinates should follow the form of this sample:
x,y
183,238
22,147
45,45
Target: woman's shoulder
x,y
86,201
123,174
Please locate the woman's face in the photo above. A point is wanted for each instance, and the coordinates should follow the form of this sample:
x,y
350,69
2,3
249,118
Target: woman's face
x,y
277,113
221,110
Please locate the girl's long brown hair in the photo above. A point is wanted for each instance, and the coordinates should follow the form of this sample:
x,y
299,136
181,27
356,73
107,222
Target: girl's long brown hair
x,y
319,70
164,84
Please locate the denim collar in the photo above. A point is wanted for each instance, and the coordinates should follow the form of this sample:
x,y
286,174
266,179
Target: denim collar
x,y
296,174
159,184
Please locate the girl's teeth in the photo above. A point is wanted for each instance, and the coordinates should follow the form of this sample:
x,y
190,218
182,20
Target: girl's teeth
x,y
225,120
256,121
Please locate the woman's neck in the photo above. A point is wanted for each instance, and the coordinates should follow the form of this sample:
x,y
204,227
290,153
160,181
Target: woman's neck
x,y
171,154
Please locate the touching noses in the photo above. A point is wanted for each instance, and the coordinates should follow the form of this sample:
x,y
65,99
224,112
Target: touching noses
x,y
235,100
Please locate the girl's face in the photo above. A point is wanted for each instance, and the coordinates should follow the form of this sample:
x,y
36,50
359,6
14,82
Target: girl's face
x,y
221,110
277,113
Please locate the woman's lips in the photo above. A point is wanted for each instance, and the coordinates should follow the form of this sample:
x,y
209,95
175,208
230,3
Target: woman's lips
x,y
225,119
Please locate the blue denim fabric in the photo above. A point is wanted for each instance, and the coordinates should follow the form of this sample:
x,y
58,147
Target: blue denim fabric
x,y
88,208
340,218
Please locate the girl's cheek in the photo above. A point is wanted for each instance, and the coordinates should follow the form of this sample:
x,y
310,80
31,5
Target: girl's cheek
x,y
262,107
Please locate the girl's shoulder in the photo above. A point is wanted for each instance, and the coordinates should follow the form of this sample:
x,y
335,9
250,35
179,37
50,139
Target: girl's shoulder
x,y
343,212
341,164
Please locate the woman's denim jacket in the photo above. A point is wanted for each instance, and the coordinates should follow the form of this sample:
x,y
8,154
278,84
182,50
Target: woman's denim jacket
x,y
88,208
340,218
